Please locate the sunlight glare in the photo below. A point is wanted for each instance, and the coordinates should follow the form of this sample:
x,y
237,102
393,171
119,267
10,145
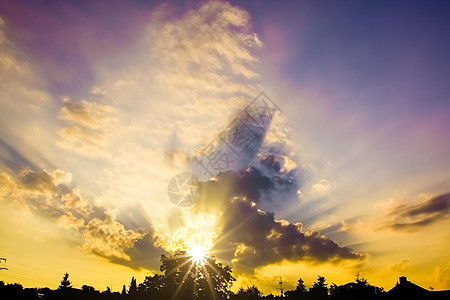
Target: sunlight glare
x,y
198,254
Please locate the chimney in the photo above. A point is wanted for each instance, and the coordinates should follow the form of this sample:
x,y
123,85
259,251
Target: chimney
x,y
403,280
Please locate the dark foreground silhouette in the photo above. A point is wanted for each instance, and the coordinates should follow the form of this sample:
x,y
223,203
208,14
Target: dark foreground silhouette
x,y
184,279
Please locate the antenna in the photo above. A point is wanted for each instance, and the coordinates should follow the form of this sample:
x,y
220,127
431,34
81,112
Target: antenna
x,y
281,286
281,283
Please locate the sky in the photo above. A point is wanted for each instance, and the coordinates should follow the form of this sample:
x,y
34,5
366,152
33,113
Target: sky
x,y
316,132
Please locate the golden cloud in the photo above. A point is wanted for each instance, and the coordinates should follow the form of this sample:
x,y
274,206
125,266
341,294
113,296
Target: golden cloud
x,y
107,237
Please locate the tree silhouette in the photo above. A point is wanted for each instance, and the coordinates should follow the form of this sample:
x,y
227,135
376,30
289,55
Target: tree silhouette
x,y
160,287
153,286
251,293
360,289
299,292
132,290
319,290
65,282
186,279
301,286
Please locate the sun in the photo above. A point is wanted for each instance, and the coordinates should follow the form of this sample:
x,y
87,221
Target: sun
x,y
198,254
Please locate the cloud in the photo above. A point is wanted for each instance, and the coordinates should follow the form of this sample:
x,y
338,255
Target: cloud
x,y
37,191
91,115
75,201
46,193
259,239
266,181
89,127
107,237
187,71
250,235
68,220
321,187
417,216
210,47
437,204
52,195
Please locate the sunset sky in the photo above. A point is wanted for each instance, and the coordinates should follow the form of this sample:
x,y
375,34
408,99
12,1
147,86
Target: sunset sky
x,y
102,103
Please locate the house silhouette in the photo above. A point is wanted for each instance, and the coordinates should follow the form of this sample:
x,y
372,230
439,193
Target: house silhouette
x,y
405,289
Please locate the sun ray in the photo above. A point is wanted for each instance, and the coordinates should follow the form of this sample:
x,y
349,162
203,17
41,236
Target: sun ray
x,y
240,226
210,285
182,281
198,254
179,266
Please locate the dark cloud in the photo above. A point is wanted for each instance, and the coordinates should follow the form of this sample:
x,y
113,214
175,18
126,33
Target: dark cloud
x,y
253,237
266,182
259,239
252,183
416,216
438,204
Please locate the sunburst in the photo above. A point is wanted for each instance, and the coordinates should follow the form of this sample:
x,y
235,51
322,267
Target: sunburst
x,y
198,254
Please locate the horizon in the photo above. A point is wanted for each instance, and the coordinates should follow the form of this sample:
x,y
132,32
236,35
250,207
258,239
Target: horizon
x,y
297,140
234,289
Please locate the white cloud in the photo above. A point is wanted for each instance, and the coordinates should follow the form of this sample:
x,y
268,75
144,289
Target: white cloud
x,y
209,52
321,187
